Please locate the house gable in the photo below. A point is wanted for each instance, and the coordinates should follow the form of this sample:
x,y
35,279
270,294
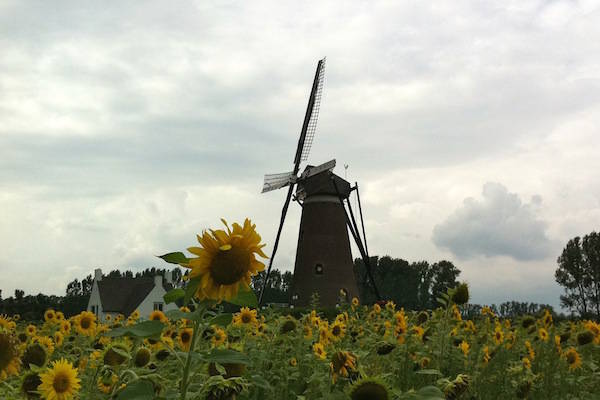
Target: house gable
x,y
125,295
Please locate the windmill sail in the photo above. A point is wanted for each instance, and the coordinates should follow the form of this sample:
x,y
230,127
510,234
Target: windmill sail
x,y
311,117
277,181
329,165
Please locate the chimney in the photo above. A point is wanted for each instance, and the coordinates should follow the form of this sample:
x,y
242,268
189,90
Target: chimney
x,y
158,280
97,274
169,277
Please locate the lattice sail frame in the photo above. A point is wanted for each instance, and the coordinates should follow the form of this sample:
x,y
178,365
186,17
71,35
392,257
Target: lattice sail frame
x,y
314,117
277,181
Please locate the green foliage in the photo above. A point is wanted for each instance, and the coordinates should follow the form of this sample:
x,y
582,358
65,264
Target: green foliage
x,y
413,286
578,273
145,329
175,258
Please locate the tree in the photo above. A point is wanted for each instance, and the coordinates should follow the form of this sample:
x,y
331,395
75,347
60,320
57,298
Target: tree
x,y
578,273
413,285
444,275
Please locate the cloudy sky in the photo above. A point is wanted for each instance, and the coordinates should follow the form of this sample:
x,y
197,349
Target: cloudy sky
x,y
472,129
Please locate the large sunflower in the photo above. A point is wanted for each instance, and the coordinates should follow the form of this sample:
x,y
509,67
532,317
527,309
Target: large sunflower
x,y
9,355
60,382
85,323
226,260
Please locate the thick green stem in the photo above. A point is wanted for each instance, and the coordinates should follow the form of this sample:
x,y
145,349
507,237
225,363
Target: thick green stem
x,y
188,362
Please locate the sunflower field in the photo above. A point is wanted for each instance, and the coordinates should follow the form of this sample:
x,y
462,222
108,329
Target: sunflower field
x,y
362,352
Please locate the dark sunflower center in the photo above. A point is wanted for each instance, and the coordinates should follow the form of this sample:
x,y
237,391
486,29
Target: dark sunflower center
x,y
229,266
246,318
185,337
336,331
369,391
571,358
85,323
61,383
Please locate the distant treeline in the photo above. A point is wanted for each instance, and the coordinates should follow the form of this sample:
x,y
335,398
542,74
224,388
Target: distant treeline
x,y
414,286
75,300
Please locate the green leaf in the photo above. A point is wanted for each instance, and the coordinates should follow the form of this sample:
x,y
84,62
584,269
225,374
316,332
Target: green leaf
x,y
220,369
226,356
260,382
173,295
221,320
123,353
175,315
245,298
138,390
175,258
190,289
144,329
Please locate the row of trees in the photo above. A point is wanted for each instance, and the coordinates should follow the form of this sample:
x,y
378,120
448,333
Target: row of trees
x,y
414,286
278,287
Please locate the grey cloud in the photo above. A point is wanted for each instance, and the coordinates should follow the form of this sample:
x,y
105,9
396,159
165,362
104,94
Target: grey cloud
x,y
499,224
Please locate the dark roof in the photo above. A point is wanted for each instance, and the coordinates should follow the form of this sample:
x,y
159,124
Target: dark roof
x,y
124,295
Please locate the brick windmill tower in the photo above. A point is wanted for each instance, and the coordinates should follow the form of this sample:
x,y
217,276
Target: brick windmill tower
x,y
323,256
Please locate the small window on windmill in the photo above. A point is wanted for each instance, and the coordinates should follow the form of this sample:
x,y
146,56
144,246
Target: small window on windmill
x,y
295,296
319,269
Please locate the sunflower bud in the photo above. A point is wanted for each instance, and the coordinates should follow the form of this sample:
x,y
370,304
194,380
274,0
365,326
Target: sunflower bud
x,y
422,317
385,348
288,326
35,354
162,355
369,388
461,294
523,389
142,357
115,355
584,338
527,321
30,384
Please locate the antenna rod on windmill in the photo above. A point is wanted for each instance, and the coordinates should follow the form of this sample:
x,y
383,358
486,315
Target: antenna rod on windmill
x,y
307,134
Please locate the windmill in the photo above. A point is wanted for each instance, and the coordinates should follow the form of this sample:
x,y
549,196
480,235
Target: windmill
x,y
323,258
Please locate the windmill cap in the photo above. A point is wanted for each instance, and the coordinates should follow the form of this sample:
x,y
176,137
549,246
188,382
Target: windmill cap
x,y
324,183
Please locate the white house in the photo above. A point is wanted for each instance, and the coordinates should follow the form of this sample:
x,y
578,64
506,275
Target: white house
x,y
125,295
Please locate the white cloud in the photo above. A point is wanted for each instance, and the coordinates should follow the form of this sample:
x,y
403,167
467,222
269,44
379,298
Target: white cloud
x,y
498,225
